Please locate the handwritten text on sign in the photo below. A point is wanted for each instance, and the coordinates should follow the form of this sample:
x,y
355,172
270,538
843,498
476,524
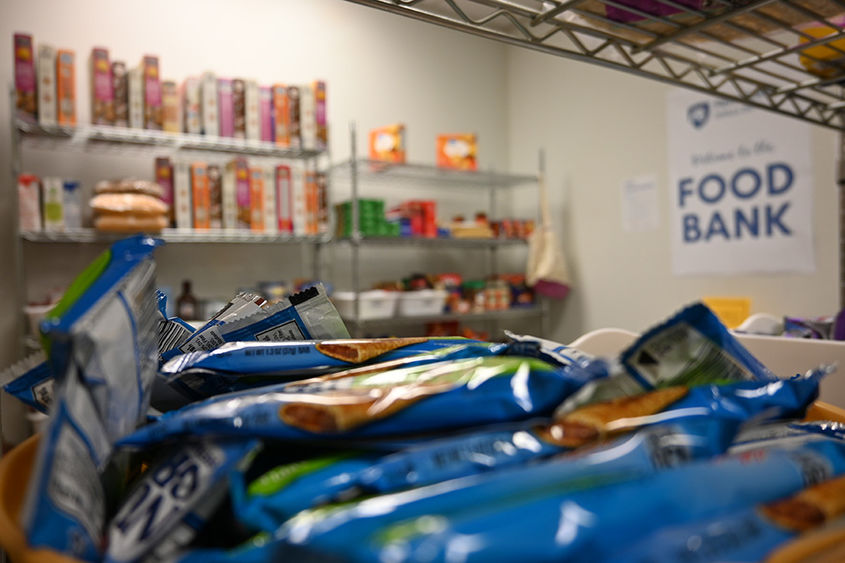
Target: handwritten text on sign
x,y
740,187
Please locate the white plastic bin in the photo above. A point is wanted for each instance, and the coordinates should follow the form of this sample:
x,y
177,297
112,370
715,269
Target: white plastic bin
x,y
422,302
375,304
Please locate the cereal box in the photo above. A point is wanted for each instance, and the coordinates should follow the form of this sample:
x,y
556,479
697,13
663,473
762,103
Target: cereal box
x,y
182,195
215,196
271,222
229,196
191,104
265,113
210,119
153,118
457,151
284,199
280,110
120,87
239,108
25,78
200,195
46,85
242,193
308,118
102,92
293,117
53,198
171,107
164,178
29,203
136,98
388,143
253,121
256,199
320,114
299,212
66,87
322,203
225,107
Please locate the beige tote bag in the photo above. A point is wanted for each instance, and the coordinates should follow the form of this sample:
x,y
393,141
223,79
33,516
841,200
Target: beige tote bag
x,y
546,271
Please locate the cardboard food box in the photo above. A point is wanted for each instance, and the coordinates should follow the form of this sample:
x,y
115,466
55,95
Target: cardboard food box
x,y
225,107
311,202
120,87
284,199
200,196
164,178
215,196
25,77
387,143
102,92
153,114
265,113
280,111
242,193
238,109
53,198
182,195
322,203
29,203
229,196
171,107
299,215
208,91
136,98
46,88
191,104
253,121
320,115
293,117
457,151
256,199
308,118
66,87
271,222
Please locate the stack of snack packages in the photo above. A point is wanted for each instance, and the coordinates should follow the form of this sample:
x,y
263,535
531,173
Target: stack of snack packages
x,y
129,206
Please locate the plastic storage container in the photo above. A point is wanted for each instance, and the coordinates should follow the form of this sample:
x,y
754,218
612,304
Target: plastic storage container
x,y
375,304
422,302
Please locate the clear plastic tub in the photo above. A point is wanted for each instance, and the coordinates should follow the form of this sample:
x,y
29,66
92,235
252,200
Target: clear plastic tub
x,y
375,304
422,302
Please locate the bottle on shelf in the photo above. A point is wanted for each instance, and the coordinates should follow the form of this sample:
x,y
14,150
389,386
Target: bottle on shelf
x,y
187,307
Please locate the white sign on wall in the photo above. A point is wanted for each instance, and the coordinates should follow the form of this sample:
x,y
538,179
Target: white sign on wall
x,y
740,184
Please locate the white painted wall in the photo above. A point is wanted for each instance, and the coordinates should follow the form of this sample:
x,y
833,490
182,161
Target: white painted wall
x,y
601,127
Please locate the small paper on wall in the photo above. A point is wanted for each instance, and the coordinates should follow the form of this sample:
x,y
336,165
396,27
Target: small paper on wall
x,y
639,204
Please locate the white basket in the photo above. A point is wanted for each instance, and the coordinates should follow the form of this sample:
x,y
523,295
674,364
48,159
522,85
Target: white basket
x,y
375,304
422,302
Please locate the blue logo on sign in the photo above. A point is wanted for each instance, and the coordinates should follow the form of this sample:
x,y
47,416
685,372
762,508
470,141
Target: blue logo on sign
x,y
698,114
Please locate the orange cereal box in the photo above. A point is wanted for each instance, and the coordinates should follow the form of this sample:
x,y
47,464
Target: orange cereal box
x,y
457,151
388,143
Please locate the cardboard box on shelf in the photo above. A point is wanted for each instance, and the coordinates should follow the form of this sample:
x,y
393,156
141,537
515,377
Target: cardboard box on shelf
x,y
164,178
152,94
102,89
256,199
284,199
191,104
46,88
322,203
307,110
29,203
238,108
225,107
215,196
280,112
253,122
320,114
457,151
311,202
136,98
200,195
271,222
299,215
265,113
388,143
210,118
120,87
171,107
293,117
228,196
182,195
66,87
53,208
242,193
25,77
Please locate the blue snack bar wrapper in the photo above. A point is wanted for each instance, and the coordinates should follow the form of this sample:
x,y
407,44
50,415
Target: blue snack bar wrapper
x,y
31,382
431,397
100,341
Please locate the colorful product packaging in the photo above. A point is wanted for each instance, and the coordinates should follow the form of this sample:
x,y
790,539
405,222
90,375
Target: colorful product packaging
x,y
298,190
280,112
210,111
171,104
72,204
307,110
311,202
52,197
66,87
153,114
271,222
25,77
120,87
102,88
322,203
46,72
256,199
320,115
253,116
29,203
191,104
225,107
229,196
200,196
457,151
388,143
242,193
136,98
215,195
293,117
265,113
164,178
182,195
239,108
284,199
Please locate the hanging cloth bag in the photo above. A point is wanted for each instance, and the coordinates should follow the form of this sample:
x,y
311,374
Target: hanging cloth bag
x,y
546,271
